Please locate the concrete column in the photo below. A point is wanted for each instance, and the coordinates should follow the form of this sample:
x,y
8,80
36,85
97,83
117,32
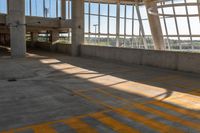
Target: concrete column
x,y
77,26
154,22
63,9
118,23
53,38
16,21
34,36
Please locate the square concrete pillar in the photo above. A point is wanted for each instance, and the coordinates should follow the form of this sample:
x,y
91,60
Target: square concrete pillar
x,y
34,36
77,26
53,39
16,21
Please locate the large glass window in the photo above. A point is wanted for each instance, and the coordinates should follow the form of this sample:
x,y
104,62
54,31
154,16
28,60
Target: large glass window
x,y
3,6
102,24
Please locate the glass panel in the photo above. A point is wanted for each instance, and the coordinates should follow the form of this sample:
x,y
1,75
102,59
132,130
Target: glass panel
x,y
27,7
104,9
129,11
104,25
94,24
122,11
128,27
112,26
171,27
3,6
121,26
94,8
113,10
195,25
183,25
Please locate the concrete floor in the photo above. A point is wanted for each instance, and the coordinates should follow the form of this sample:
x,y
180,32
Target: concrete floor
x,y
54,93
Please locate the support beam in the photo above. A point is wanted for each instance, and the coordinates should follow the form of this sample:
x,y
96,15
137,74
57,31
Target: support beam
x,y
155,26
77,26
63,9
54,36
16,21
53,39
34,36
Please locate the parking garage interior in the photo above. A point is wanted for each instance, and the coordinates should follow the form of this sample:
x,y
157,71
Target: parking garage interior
x,y
99,66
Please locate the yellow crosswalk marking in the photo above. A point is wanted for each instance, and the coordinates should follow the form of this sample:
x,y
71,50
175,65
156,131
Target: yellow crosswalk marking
x,y
114,124
177,109
7,132
80,126
156,112
149,122
168,116
43,129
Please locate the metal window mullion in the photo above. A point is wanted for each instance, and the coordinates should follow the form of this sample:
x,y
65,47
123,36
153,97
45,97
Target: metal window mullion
x,y
89,20
30,7
166,30
57,8
69,16
141,27
124,25
198,3
190,32
69,11
176,24
108,23
99,21
133,24
118,24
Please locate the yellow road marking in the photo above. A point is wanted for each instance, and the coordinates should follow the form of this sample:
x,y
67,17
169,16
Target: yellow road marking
x,y
149,122
114,124
44,129
43,125
168,116
177,109
80,126
156,112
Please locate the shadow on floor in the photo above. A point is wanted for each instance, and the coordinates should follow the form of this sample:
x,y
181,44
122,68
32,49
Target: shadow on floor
x,y
144,98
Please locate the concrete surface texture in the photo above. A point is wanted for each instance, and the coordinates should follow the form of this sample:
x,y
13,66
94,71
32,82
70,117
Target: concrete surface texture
x,y
181,61
54,93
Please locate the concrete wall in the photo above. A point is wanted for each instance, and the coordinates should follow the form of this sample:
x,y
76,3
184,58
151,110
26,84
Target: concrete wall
x,y
189,62
58,47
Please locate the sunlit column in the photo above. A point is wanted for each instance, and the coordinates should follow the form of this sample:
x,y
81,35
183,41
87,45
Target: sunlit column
x,y
117,23
155,25
16,22
77,26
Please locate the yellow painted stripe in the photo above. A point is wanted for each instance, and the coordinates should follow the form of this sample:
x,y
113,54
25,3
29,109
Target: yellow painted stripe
x,y
177,109
169,117
7,132
149,122
114,124
43,129
80,126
